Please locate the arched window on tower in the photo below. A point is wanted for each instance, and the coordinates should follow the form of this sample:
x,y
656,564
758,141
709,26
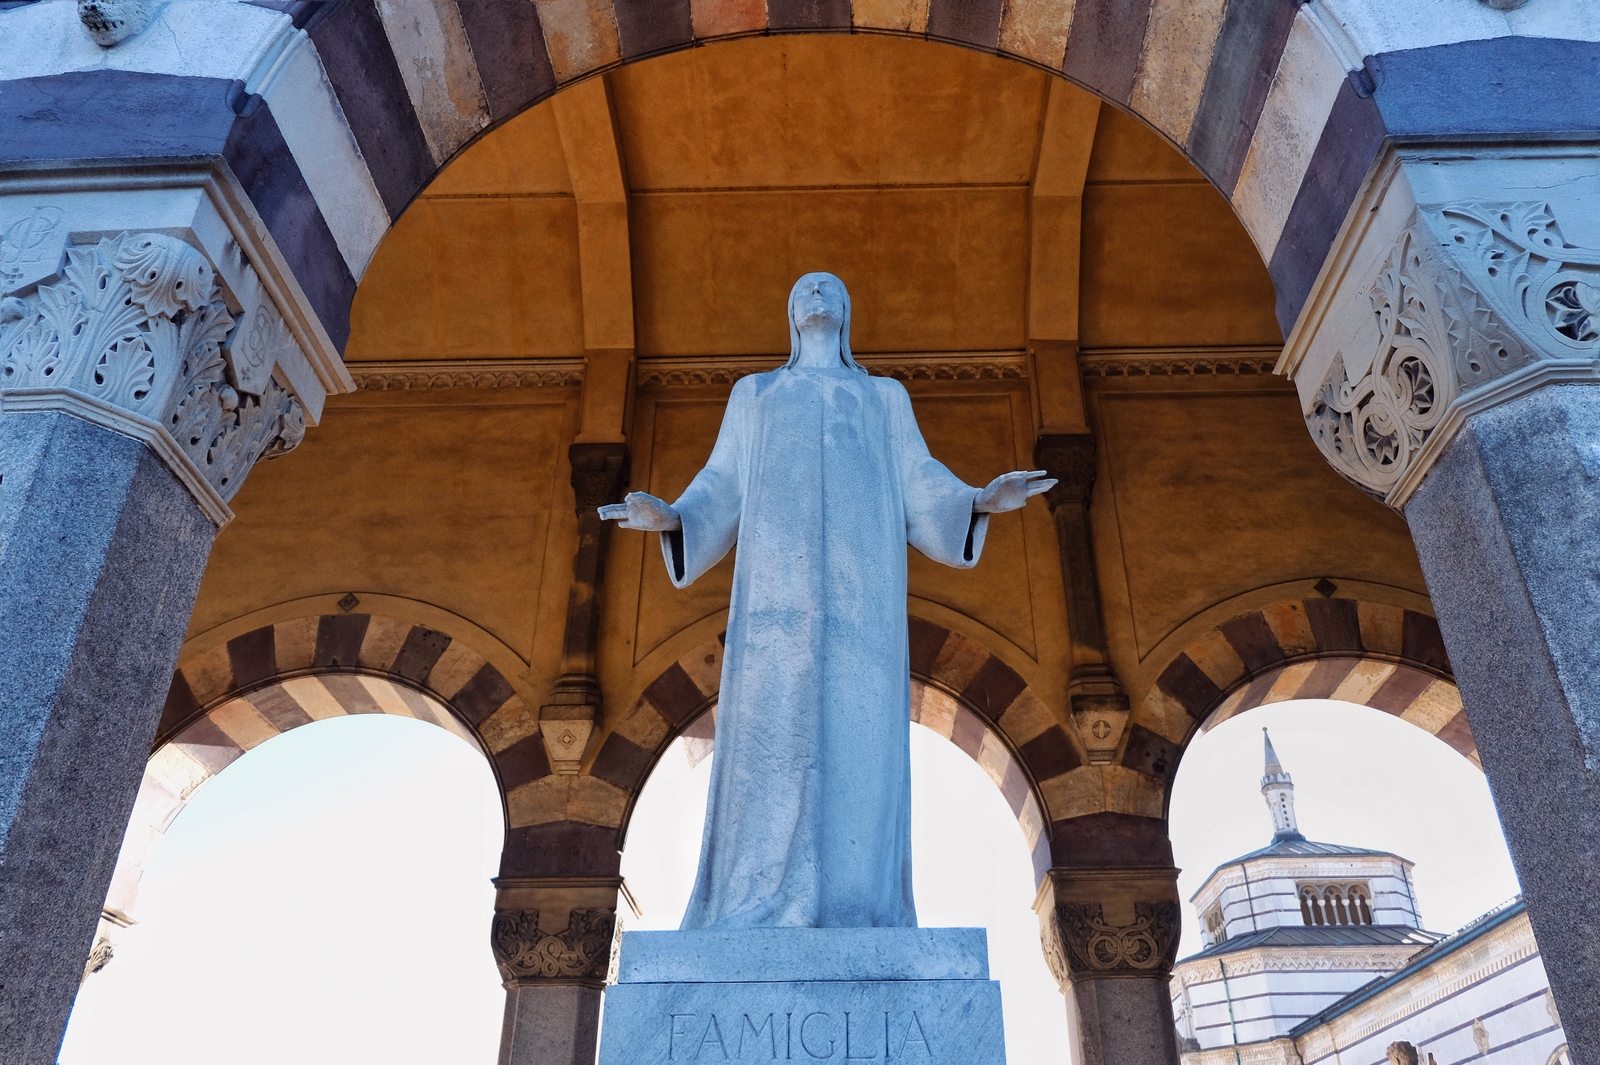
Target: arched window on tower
x,y
1216,926
1360,905
1333,902
1311,906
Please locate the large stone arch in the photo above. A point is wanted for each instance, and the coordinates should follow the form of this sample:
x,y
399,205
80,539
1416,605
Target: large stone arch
x,y
960,690
331,115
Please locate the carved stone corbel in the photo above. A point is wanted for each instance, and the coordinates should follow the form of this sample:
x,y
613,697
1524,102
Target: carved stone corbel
x,y
1099,705
133,333
1476,304
567,718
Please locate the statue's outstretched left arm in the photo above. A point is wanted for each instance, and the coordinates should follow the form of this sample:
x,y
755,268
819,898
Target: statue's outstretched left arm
x,y
1010,491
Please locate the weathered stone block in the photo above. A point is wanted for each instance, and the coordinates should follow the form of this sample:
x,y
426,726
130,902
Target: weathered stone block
x,y
804,994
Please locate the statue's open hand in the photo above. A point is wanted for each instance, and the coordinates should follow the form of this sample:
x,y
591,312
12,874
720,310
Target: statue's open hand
x,y
641,510
1010,490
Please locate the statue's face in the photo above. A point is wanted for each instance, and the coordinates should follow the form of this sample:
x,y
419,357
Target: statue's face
x,y
820,302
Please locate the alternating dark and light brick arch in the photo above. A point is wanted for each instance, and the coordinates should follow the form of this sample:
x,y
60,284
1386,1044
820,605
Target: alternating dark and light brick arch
x,y
277,677
960,690
330,152
1382,656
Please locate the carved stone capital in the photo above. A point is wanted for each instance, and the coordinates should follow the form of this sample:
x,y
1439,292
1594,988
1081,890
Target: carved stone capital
x,y
554,930
1069,458
133,332
1100,945
578,953
1109,923
599,474
1476,303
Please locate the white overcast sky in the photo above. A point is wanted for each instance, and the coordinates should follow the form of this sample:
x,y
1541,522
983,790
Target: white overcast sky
x,y
326,900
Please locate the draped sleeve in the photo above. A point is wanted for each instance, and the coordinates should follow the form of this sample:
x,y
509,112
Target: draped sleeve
x,y
939,518
711,505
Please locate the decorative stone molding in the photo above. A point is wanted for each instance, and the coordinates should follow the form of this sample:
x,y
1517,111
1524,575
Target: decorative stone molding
x,y
964,366
579,952
1096,946
1475,305
446,374
135,336
1178,362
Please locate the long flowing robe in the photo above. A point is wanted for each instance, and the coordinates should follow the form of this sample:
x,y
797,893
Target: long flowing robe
x,y
823,478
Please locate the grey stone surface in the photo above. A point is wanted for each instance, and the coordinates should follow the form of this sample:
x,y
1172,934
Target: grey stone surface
x,y
944,1022
1507,525
706,955
101,551
550,1024
1125,1021
760,995
804,994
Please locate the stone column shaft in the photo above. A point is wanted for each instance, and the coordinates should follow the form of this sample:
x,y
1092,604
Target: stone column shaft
x,y
1507,525
1099,705
566,720
101,551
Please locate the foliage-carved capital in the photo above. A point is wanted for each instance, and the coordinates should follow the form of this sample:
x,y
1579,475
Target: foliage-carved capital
x,y
133,332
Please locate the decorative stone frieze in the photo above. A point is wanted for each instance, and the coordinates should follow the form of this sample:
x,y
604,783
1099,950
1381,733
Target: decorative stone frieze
x,y
441,374
1178,362
966,366
1477,303
580,952
134,334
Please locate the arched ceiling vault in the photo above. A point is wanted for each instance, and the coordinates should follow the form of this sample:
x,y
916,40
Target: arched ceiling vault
x,y
666,207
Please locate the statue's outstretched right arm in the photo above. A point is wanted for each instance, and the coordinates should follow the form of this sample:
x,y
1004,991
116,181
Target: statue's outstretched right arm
x,y
701,526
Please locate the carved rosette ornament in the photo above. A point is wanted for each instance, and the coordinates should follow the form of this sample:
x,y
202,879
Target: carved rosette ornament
x,y
579,953
1475,305
1095,946
136,331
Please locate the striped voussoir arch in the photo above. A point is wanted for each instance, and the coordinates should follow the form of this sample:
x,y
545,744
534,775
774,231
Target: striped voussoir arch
x,y
334,114
959,690
238,695
1382,656
241,693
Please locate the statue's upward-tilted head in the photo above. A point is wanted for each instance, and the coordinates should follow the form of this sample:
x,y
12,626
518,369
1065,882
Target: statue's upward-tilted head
x,y
819,302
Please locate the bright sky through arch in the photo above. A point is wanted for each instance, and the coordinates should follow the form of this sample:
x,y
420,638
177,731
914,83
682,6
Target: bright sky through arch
x,y
326,899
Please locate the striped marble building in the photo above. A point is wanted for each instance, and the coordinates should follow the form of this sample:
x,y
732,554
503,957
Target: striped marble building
x,y
1316,952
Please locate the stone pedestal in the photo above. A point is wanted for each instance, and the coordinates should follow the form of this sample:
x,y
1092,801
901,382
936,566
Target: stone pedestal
x,y
804,994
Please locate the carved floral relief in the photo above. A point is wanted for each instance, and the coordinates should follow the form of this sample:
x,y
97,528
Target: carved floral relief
x,y
581,951
1470,294
1095,946
137,322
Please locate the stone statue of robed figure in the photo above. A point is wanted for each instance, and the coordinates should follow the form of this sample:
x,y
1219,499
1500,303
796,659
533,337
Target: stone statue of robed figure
x,y
822,477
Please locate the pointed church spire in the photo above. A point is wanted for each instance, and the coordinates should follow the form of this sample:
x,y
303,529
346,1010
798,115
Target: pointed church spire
x,y
1278,789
